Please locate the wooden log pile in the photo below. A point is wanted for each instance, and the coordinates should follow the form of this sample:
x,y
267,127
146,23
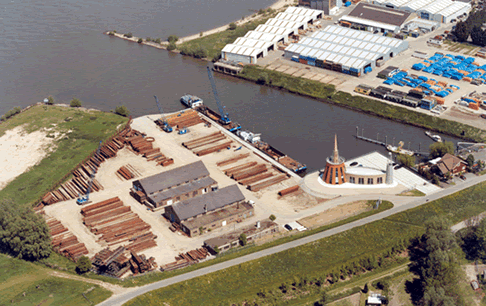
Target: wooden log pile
x,y
232,160
186,259
116,263
116,224
214,142
78,185
144,146
127,172
187,118
63,241
289,190
274,180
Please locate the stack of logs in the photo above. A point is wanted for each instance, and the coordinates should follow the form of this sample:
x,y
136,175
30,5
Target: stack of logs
x,y
116,263
79,183
127,172
116,224
187,259
144,146
62,240
289,190
214,142
251,174
184,119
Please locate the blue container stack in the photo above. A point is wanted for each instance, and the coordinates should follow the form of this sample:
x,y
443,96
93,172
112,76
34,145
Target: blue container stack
x,y
449,66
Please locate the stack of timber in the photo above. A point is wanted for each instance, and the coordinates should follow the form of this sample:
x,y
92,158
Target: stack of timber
x,y
289,190
249,173
142,145
272,181
116,263
232,160
117,224
63,241
183,119
127,172
214,142
81,176
187,259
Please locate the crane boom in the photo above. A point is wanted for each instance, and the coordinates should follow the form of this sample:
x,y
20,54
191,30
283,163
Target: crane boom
x,y
225,119
165,124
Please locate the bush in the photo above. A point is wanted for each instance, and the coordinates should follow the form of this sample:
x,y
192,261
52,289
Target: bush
x,y
83,265
172,39
23,234
272,217
75,102
216,57
263,79
140,40
201,34
261,11
157,41
148,39
50,100
171,46
197,51
122,110
111,33
243,240
11,112
128,35
232,26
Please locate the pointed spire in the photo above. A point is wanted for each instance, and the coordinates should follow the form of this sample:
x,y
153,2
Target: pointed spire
x,y
335,158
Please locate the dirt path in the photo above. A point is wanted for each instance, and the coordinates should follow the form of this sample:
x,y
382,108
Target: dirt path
x,y
116,289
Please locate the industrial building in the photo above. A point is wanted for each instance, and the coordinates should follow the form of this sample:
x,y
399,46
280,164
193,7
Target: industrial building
x,y
227,241
174,185
257,43
346,50
443,11
330,7
375,18
209,211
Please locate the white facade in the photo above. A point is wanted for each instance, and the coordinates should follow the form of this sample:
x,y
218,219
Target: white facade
x,y
242,54
454,11
371,25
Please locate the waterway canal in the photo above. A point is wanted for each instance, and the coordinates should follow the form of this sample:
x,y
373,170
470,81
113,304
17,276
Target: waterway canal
x,y
57,48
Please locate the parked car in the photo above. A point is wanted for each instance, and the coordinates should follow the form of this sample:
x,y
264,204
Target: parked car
x,y
483,116
463,177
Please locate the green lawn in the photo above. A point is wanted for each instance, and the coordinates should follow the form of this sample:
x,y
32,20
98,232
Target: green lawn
x,y
412,193
87,130
23,283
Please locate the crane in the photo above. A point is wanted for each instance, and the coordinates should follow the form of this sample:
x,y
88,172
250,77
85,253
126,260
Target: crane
x,y
165,124
225,119
85,199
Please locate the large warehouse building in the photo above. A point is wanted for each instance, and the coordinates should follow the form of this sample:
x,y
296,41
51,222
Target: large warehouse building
x,y
341,49
444,11
330,7
265,37
374,17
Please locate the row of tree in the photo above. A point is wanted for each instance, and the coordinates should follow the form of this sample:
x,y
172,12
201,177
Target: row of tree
x,y
472,27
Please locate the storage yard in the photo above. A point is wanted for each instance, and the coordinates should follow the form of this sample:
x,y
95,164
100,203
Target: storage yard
x,y
121,234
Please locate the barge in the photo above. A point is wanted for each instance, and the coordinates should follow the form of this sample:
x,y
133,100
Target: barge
x,y
274,153
191,101
232,127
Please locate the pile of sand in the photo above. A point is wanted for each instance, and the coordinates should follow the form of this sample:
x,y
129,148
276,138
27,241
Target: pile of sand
x,y
19,151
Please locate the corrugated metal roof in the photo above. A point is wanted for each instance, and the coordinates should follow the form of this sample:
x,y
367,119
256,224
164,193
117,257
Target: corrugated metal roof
x,y
263,36
252,43
436,6
183,189
292,17
212,200
283,23
174,177
303,11
241,50
417,4
272,30
454,8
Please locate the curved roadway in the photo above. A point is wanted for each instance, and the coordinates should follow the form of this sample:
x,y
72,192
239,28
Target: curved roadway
x,y
414,202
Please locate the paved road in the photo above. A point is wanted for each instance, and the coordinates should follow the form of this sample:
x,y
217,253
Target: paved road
x,y
414,202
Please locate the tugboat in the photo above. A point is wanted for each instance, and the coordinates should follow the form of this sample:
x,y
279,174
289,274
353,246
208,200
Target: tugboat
x,y
191,101
435,138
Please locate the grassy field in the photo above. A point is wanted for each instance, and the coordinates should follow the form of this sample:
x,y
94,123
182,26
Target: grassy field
x,y
87,130
155,276
214,43
23,283
327,93
412,193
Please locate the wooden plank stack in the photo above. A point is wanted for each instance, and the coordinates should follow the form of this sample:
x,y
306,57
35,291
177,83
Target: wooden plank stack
x,y
289,190
63,241
116,263
187,259
127,172
187,118
275,180
232,160
214,142
144,146
116,223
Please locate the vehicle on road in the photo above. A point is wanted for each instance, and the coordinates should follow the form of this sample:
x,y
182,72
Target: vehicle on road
x,y
294,226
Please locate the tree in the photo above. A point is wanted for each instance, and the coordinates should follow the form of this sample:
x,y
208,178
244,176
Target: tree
x,y
232,26
366,289
470,160
263,79
406,160
23,234
172,39
75,102
243,240
128,35
122,110
148,39
157,41
11,113
50,100
200,52
435,180
140,40
461,31
171,46
83,265
477,36
272,217
439,149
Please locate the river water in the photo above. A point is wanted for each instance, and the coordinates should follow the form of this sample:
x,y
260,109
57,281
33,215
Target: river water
x,y
57,48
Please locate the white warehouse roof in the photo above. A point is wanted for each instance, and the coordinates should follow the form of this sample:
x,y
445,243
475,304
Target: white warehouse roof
x,y
303,11
272,30
241,50
252,43
291,17
283,23
397,3
263,36
454,8
437,6
417,4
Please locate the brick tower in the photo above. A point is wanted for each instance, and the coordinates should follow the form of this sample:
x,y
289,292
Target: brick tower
x,y
335,171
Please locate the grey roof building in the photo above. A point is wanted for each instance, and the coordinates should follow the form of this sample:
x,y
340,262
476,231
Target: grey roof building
x,y
379,14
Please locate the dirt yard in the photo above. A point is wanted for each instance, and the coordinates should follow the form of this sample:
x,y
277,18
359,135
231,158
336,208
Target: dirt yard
x,y
335,214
